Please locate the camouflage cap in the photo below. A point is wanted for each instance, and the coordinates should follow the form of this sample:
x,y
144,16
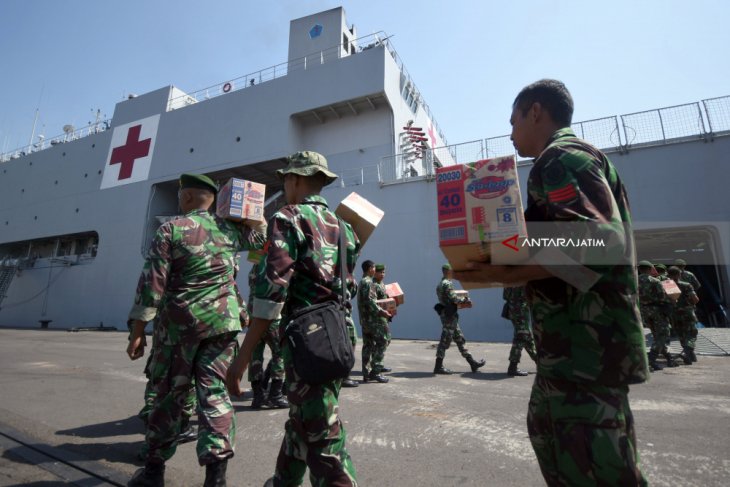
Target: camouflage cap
x,y
307,163
446,267
200,181
379,267
645,263
660,267
680,262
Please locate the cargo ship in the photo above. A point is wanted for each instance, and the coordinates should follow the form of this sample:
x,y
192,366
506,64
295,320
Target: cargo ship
x,y
78,211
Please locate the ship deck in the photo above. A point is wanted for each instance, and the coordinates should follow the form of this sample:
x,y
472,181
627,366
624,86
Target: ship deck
x,y
69,402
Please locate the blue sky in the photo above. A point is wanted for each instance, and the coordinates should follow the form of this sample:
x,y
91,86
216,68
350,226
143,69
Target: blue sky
x,y
468,58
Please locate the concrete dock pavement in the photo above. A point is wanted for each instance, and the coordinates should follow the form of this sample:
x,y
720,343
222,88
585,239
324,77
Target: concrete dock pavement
x,y
73,398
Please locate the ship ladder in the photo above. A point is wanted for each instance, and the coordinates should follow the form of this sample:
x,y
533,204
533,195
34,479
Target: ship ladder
x,y
7,272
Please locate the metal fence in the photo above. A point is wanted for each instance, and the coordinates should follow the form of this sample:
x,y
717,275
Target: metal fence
x,y
652,127
359,176
45,143
718,114
692,121
601,132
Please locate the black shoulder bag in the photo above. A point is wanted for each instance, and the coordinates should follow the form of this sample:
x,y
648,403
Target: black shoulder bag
x,y
320,345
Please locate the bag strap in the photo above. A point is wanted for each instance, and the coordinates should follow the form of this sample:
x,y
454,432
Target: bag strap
x,y
343,260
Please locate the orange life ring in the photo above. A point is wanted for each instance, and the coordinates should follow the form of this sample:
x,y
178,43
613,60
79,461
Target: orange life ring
x,y
227,87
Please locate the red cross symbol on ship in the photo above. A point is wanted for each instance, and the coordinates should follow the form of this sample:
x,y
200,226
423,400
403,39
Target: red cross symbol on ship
x,y
133,149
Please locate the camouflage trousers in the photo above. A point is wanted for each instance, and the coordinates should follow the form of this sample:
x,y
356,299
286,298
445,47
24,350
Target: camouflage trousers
x,y
522,338
173,369
450,331
351,332
272,339
658,323
149,396
583,434
375,340
685,323
314,436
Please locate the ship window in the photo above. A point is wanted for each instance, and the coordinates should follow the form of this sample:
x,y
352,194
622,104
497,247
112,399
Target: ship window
x,y
73,248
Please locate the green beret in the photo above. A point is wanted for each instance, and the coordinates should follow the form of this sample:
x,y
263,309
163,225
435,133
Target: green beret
x,y
307,163
199,181
680,262
660,267
645,263
379,267
446,267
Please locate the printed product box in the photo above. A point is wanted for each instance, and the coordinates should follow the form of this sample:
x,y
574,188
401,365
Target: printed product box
x,y
480,215
672,290
361,214
387,304
242,201
462,294
394,291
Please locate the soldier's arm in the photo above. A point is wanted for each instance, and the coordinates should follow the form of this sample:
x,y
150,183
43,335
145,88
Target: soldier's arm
x,y
153,280
252,238
276,269
451,295
693,298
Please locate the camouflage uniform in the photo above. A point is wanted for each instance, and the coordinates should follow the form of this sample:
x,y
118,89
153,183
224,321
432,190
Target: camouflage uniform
x,y
590,344
300,269
375,328
450,323
188,277
691,279
685,320
653,304
519,314
272,338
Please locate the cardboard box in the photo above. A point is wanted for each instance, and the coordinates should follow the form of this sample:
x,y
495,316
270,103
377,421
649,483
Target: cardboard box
x,y
462,294
361,214
242,201
480,214
672,290
394,291
387,304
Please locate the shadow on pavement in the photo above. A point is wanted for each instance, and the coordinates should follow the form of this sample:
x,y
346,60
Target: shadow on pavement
x,y
130,426
411,375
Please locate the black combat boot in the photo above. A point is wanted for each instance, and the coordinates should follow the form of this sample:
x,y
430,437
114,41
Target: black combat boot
x,y
686,356
387,369
378,378
187,432
670,360
439,368
215,473
475,364
692,355
348,382
653,365
152,475
513,371
267,377
365,375
258,395
276,398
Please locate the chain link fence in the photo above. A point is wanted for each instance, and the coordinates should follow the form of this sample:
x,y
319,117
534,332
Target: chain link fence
x,y
601,132
652,127
718,114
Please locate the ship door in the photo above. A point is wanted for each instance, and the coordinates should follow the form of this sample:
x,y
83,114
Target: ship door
x,y
701,248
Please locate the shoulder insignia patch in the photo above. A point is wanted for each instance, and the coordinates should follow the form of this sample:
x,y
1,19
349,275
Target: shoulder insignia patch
x,y
566,193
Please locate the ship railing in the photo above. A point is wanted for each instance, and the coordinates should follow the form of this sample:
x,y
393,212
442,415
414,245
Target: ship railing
x,y
668,125
280,70
46,142
718,115
359,176
664,125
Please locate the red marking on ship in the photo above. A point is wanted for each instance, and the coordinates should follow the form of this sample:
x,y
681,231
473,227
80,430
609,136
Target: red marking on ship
x,y
133,149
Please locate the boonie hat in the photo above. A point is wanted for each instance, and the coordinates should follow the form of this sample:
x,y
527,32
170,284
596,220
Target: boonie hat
x,y
307,163
660,267
680,262
645,263
199,181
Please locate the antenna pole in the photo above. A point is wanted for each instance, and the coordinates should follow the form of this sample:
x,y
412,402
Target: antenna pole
x,y
32,134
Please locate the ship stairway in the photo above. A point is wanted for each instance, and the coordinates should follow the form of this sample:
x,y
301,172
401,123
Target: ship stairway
x,y
8,269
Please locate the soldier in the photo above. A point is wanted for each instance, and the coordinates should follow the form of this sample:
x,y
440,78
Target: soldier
x,y
589,337
653,306
685,320
666,312
275,369
519,314
450,323
370,314
686,275
187,286
301,269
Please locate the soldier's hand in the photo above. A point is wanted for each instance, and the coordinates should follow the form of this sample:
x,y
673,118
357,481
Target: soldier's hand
x,y
234,374
385,314
258,226
135,348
